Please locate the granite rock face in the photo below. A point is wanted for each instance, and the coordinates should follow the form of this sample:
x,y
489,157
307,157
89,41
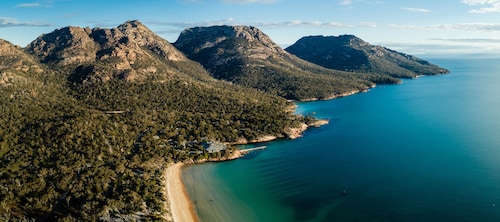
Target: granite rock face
x,y
130,51
74,44
15,64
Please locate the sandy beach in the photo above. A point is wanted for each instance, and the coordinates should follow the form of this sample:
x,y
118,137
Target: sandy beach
x,y
180,206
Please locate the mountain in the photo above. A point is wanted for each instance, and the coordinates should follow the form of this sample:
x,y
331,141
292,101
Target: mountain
x,y
15,64
130,51
23,80
92,117
246,56
350,53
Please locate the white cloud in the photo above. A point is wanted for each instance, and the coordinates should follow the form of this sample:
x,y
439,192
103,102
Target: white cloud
x,y
445,48
490,5
345,2
488,27
29,5
368,24
182,25
470,40
292,23
39,4
416,10
349,3
250,1
11,22
173,28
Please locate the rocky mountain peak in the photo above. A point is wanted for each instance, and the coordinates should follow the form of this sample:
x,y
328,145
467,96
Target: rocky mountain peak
x,y
15,64
64,46
131,49
199,38
138,32
7,48
127,42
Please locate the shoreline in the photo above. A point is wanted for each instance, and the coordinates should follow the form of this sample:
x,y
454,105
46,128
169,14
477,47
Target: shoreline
x,y
179,204
177,198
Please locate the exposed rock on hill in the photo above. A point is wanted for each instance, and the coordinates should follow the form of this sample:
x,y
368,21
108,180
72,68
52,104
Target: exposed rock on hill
x,y
16,66
131,52
350,53
94,149
246,56
14,58
77,142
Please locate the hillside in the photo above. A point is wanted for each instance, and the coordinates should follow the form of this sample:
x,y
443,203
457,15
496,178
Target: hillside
x,y
350,53
246,56
131,52
91,118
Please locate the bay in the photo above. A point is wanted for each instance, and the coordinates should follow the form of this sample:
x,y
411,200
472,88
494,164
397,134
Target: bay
x,y
425,150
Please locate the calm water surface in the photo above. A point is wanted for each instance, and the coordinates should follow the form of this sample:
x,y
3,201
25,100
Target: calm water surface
x,y
426,150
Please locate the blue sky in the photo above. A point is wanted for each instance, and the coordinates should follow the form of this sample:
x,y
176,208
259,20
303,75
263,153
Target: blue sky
x,y
411,26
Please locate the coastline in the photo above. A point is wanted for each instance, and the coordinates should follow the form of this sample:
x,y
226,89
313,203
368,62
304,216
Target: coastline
x,y
179,205
178,202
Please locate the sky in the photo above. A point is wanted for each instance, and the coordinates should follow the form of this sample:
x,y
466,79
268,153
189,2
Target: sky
x,y
412,26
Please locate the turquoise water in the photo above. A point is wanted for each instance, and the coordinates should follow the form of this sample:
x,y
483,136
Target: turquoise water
x,y
426,150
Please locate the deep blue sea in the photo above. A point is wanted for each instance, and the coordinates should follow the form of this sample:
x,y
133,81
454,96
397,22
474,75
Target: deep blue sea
x,y
425,150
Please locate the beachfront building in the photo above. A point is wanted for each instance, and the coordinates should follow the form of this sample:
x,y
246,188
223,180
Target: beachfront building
x,y
213,147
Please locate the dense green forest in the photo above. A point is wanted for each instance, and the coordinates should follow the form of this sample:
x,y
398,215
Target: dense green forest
x,y
91,118
73,147
72,157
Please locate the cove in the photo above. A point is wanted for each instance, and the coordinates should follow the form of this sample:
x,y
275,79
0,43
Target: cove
x,y
426,150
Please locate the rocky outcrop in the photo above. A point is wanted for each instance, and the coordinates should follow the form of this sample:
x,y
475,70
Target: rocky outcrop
x,y
131,50
194,40
65,46
294,133
75,45
350,53
16,65
14,58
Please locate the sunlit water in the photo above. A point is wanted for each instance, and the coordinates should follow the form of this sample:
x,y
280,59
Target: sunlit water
x,y
426,150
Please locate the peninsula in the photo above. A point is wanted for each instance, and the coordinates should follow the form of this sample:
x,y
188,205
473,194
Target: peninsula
x,y
95,121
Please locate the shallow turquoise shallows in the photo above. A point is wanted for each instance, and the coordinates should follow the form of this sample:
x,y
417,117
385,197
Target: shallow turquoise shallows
x,y
426,150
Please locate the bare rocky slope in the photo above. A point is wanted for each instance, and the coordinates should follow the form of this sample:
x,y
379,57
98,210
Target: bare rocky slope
x,y
130,51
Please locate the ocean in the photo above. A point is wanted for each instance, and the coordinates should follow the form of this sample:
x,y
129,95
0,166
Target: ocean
x,y
425,150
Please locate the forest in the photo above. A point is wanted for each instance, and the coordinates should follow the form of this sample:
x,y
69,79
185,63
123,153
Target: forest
x,y
97,150
91,118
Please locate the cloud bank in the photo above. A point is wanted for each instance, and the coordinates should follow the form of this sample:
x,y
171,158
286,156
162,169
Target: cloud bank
x,y
488,27
416,10
10,22
282,24
29,5
489,6
345,2
470,40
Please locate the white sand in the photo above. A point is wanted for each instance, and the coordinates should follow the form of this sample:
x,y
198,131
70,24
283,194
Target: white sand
x,y
181,208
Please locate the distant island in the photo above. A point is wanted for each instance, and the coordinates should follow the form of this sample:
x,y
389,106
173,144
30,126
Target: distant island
x,y
92,118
